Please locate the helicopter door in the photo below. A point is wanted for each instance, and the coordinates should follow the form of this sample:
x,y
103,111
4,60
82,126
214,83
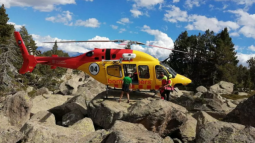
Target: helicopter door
x,y
158,77
114,75
131,68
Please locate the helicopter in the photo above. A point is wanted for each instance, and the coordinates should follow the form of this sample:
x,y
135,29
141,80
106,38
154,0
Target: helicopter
x,y
109,66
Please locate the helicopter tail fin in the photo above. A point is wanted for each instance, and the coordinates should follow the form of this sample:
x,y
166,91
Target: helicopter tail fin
x,y
29,61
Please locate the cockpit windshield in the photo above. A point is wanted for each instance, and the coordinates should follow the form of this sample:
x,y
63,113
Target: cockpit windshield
x,y
169,69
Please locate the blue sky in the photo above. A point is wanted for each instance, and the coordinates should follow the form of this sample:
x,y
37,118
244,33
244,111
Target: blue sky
x,y
157,22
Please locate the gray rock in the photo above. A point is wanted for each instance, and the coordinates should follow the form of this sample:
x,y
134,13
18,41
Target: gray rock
x,y
227,86
8,133
105,113
163,117
176,92
17,108
85,126
168,140
242,93
71,111
29,89
124,132
43,117
201,89
189,93
222,88
176,140
243,113
46,102
64,89
225,132
43,91
198,94
71,118
95,137
230,104
202,119
238,101
36,132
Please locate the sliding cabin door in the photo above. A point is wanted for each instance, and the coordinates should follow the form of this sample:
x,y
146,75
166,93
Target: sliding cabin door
x,y
114,74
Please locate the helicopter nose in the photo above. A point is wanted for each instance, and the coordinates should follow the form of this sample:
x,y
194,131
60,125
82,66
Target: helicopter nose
x,y
182,79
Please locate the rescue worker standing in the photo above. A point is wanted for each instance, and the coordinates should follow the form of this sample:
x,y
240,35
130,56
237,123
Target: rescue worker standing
x,y
168,87
164,81
126,86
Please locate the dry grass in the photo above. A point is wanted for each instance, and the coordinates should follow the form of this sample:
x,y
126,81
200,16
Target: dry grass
x,y
235,96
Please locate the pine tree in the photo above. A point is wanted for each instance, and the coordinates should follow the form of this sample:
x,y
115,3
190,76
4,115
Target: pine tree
x,y
251,63
225,58
177,59
5,29
28,40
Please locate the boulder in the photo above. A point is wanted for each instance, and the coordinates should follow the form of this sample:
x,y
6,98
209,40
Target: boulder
x,y
230,104
71,111
163,117
43,91
46,102
8,133
43,117
95,137
225,132
85,126
71,85
64,89
201,89
39,132
242,93
17,108
185,92
71,117
243,113
176,92
105,113
207,102
202,119
124,132
222,88
168,140
198,94
29,89
238,101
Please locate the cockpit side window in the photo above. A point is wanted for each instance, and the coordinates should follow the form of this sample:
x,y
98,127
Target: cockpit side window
x,y
158,70
89,54
169,69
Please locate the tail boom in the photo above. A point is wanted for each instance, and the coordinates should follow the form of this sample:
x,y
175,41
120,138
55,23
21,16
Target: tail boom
x,y
29,61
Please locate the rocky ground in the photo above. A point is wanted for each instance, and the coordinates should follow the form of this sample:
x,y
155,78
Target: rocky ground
x,y
79,113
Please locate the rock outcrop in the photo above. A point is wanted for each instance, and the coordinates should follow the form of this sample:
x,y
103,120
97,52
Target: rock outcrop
x,y
243,113
9,133
105,113
225,132
46,102
124,132
40,132
17,108
163,117
222,87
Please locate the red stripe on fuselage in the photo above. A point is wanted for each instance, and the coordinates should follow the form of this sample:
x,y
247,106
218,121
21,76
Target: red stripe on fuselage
x,y
100,54
75,62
